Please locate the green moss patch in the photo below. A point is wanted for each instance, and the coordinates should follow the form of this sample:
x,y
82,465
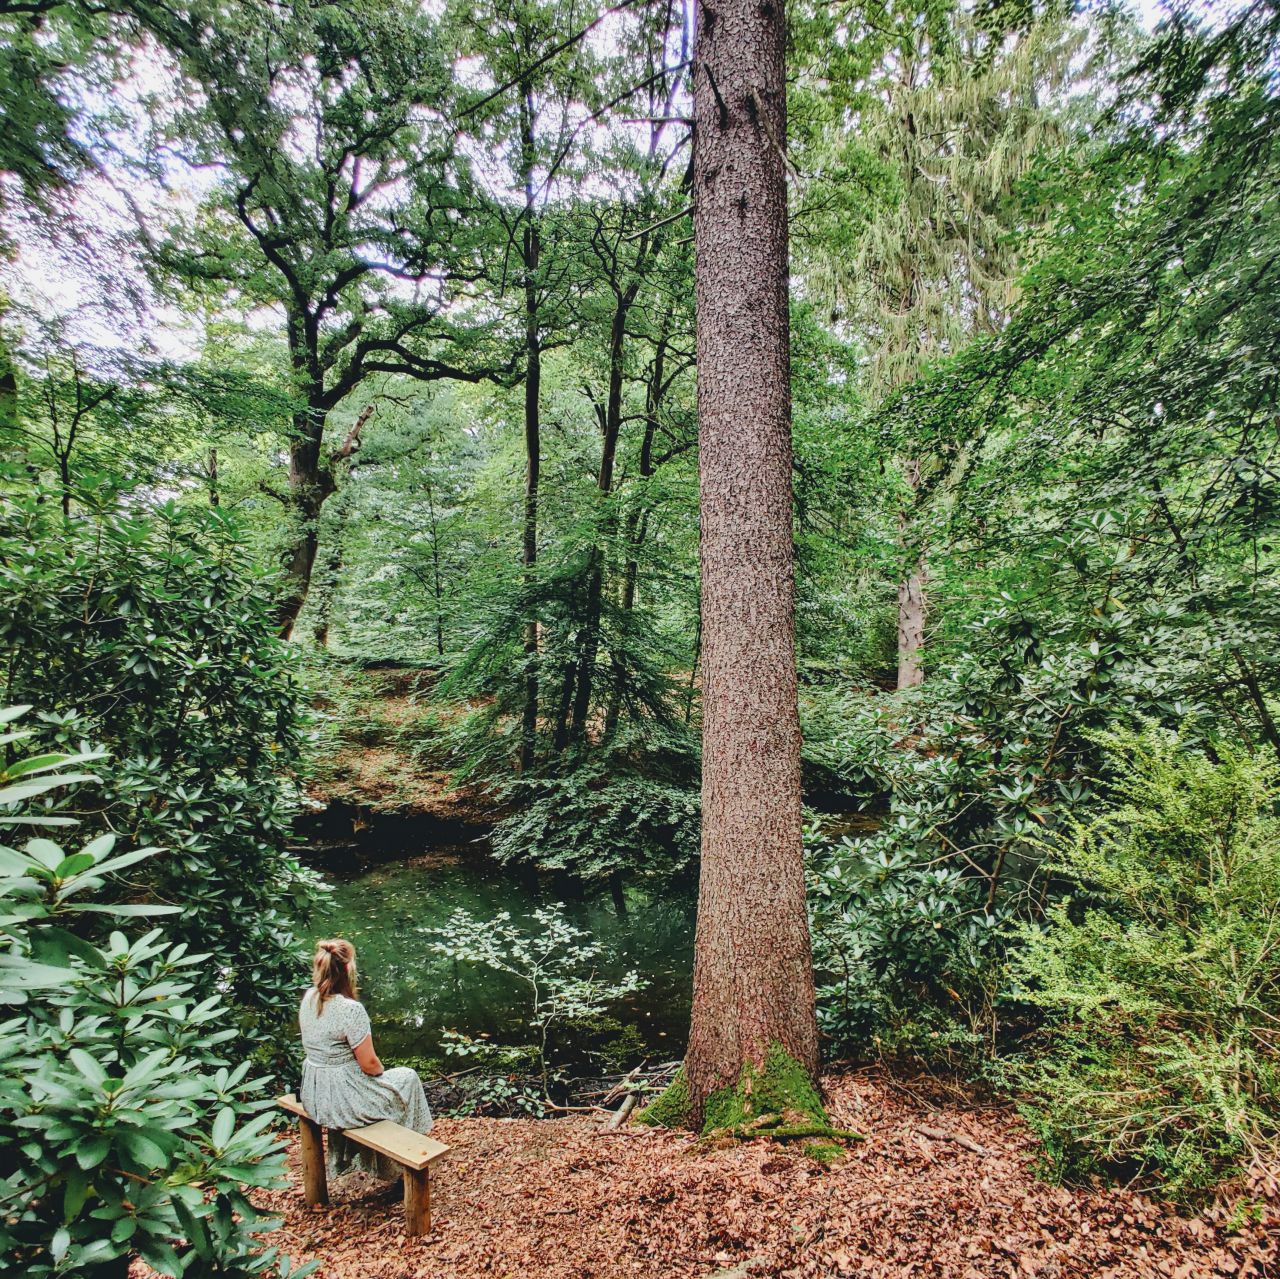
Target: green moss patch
x,y
670,1108
824,1152
777,1100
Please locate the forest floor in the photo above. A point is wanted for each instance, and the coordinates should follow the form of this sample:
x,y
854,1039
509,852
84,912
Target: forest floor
x,y
560,1199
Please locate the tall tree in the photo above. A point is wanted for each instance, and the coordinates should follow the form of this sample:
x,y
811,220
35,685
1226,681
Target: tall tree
x,y
342,206
949,112
625,254
527,125
753,976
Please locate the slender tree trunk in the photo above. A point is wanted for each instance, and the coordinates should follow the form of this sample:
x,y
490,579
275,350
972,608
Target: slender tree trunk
x,y
638,521
617,891
532,437
911,603
8,386
64,480
753,971
612,427
560,732
911,617
437,578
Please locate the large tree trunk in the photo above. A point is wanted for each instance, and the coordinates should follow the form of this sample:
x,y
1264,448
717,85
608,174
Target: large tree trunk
x,y
329,576
308,488
753,972
311,483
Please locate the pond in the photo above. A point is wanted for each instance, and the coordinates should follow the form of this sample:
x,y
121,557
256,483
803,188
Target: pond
x,y
392,912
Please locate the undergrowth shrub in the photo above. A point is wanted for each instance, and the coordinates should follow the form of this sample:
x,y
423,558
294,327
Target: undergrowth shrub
x,y
906,953
1160,973
129,1124
630,806
976,769
150,632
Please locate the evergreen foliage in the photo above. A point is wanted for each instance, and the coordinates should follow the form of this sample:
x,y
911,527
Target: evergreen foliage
x,y
1157,971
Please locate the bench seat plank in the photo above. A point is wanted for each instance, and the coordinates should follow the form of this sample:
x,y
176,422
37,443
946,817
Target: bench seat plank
x,y
397,1142
290,1103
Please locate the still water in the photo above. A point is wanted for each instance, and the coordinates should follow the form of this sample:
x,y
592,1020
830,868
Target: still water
x,y
392,911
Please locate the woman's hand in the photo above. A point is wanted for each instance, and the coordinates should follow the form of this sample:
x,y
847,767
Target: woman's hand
x,y
367,1057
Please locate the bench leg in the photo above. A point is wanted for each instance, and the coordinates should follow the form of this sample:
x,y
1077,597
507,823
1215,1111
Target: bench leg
x,y
417,1201
315,1188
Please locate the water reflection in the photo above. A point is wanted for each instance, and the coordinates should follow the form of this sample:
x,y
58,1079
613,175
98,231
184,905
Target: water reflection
x,y
391,912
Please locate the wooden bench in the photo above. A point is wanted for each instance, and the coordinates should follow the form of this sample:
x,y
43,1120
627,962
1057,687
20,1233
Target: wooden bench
x,y
411,1150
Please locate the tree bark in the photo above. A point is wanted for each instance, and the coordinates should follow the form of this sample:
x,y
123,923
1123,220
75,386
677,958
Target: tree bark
x,y
911,602
753,972
437,578
911,615
329,576
638,521
307,492
532,434
311,483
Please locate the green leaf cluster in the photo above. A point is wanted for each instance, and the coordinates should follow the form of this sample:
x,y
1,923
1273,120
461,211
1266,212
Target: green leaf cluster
x,y
148,631
1158,973
126,1128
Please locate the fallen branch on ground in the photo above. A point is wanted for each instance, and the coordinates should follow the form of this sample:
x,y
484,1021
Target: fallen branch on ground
x,y
959,1138
623,1113
789,1132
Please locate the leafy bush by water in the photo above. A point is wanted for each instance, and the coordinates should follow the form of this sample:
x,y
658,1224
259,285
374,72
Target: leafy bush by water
x,y
150,632
554,961
126,1127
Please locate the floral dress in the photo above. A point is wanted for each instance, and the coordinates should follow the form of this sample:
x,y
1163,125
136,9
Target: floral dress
x,y
337,1094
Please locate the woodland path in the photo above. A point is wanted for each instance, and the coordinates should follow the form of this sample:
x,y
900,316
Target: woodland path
x,y
535,1199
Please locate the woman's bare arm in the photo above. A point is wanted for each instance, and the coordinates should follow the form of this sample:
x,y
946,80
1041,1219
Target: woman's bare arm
x,y
367,1057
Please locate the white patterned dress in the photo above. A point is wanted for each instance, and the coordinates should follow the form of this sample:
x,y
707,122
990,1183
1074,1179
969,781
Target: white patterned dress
x,y
337,1094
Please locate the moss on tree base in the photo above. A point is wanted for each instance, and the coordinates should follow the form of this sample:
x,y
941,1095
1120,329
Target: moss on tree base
x,y
777,1100
670,1108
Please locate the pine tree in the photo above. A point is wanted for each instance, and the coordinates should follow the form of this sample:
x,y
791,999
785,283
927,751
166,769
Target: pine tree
x,y
753,979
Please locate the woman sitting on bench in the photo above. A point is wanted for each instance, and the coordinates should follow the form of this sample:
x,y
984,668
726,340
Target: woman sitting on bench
x,y
344,1085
